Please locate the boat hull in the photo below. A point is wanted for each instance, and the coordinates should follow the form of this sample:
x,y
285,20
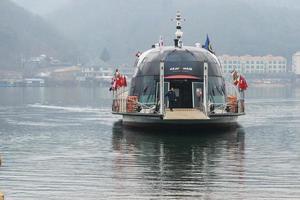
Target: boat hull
x,y
159,122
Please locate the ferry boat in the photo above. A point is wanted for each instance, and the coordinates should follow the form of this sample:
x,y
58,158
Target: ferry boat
x,y
203,98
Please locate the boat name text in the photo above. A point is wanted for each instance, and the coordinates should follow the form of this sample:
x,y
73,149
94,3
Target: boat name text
x,y
181,68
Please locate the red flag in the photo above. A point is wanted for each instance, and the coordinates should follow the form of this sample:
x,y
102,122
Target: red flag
x,y
121,81
118,83
243,83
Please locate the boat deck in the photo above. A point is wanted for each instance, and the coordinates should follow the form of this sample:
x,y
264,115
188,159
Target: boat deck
x,y
184,114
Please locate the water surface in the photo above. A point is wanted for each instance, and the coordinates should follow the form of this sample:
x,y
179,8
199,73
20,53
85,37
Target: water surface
x,y
63,143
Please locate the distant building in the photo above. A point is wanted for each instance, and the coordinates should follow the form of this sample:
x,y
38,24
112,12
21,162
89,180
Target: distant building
x,y
42,61
10,75
34,82
254,64
96,72
296,63
65,74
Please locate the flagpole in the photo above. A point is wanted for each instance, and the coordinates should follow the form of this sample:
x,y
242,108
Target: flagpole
x,y
205,88
121,99
162,100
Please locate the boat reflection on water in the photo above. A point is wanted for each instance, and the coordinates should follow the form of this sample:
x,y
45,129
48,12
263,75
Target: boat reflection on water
x,y
180,160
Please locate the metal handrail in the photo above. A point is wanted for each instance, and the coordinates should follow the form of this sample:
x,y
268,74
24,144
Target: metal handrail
x,y
115,93
144,106
222,106
119,95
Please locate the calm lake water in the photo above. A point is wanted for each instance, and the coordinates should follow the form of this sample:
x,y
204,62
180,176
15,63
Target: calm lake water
x,y
63,143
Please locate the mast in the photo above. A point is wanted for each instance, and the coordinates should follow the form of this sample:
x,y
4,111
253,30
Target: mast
x,y
178,33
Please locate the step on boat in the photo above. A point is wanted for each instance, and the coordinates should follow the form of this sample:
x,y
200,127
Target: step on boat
x,y
203,97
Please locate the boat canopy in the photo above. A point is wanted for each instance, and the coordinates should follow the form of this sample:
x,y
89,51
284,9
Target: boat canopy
x,y
177,61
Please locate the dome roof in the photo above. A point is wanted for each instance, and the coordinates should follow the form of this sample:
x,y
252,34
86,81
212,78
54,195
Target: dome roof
x,y
179,61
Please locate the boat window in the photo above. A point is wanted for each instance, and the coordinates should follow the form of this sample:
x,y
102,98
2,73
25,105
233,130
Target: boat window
x,y
216,90
147,89
133,89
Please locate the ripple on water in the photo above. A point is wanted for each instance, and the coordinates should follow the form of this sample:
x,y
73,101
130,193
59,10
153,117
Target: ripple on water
x,y
57,152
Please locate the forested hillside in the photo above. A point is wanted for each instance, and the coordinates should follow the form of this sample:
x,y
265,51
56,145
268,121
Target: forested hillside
x,y
23,34
122,27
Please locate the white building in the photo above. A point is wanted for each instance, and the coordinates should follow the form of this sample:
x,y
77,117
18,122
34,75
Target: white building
x,y
97,72
296,63
254,64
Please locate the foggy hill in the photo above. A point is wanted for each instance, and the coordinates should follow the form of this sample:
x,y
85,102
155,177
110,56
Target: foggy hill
x,y
235,26
23,34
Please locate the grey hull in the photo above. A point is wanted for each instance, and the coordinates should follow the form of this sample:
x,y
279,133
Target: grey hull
x,y
158,122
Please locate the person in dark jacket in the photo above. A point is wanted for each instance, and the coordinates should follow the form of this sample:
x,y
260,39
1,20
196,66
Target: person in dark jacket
x,y
172,98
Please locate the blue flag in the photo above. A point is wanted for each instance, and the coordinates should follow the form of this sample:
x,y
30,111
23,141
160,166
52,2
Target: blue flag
x,y
207,45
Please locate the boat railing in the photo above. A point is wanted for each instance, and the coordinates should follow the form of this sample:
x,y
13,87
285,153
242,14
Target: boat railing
x,y
119,104
148,109
217,108
225,108
234,104
123,103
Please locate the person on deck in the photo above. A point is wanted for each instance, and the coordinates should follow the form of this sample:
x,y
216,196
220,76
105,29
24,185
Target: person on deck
x,y
199,95
172,98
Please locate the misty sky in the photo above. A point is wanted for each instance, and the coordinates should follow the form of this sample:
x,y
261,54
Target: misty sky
x,y
42,7
234,26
